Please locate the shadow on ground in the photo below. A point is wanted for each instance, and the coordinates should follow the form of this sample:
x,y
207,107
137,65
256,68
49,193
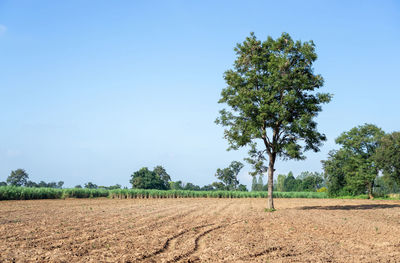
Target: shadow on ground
x,y
350,207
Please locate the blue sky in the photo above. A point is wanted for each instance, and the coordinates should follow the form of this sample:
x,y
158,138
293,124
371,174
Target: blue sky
x,y
95,90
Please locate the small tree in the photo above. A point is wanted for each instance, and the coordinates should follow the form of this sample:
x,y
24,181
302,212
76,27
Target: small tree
x,y
229,175
18,178
91,185
271,93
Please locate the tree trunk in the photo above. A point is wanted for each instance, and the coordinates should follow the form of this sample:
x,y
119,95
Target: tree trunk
x,y
370,189
271,181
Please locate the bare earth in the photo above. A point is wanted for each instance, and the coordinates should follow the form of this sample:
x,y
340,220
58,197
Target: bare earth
x,y
206,230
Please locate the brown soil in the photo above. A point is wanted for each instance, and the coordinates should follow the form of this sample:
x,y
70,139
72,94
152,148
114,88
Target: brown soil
x,y
206,230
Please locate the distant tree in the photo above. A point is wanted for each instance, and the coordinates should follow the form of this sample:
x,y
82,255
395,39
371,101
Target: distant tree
x,y
18,178
290,183
254,184
146,179
335,172
91,185
280,183
52,185
219,186
387,156
260,183
192,187
228,175
112,187
208,187
31,184
176,185
160,171
60,184
42,184
310,181
78,186
271,93
242,188
3,184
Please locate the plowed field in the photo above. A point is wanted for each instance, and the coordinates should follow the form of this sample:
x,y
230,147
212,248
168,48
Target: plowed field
x,y
204,230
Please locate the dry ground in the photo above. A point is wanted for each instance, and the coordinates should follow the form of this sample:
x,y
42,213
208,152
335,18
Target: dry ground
x,y
206,230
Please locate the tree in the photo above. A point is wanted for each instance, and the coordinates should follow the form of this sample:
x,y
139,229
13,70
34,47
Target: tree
x,y
3,184
254,183
280,183
360,143
387,156
218,186
31,184
146,179
310,181
352,169
78,186
176,185
291,184
192,187
208,187
271,93
18,178
334,172
242,188
260,183
91,185
162,173
229,175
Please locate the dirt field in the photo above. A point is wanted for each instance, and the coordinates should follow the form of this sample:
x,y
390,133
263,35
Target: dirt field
x,y
206,230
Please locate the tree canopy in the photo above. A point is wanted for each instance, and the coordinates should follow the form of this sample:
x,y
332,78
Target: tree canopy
x,y
228,176
272,99
352,169
387,156
147,179
18,177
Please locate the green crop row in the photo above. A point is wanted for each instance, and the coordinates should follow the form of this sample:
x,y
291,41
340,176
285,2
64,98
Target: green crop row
x,y
27,193
141,193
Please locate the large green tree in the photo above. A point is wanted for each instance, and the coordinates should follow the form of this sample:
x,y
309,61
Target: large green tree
x,y
18,177
352,168
272,100
147,179
387,156
160,171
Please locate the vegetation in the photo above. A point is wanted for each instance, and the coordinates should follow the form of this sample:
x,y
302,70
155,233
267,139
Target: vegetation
x,y
272,100
147,179
387,157
26,193
228,176
18,178
352,169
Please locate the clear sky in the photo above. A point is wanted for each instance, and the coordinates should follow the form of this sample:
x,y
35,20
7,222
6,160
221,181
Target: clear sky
x,y
95,90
